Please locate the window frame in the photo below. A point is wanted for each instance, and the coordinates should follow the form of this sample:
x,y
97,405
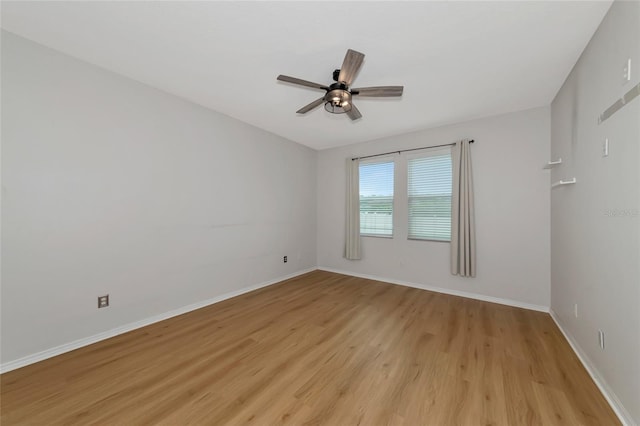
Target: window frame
x,y
428,152
381,160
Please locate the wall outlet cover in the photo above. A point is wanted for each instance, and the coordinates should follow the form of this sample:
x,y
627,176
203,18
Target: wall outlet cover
x,y
601,339
103,301
626,73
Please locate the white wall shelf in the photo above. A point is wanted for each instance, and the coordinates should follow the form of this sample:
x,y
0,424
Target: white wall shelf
x,y
563,182
550,164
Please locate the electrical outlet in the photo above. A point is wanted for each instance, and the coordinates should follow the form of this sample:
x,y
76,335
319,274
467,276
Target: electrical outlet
x,y
103,301
601,339
285,259
626,72
575,310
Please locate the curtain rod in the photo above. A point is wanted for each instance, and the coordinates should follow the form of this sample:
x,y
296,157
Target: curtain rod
x,y
405,150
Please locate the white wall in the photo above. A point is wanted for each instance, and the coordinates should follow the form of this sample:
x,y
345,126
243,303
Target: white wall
x,y
512,212
110,186
595,224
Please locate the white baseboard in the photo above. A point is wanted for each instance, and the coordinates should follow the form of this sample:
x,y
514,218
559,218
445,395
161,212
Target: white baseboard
x,y
468,295
606,391
76,344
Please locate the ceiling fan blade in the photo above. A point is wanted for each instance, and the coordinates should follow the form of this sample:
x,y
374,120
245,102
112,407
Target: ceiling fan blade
x,y
311,106
350,66
353,113
301,82
383,91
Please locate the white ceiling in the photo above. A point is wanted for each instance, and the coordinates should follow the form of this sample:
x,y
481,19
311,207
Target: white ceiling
x,y
457,60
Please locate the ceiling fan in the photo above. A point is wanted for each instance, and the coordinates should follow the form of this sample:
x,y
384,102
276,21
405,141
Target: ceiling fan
x,y
338,96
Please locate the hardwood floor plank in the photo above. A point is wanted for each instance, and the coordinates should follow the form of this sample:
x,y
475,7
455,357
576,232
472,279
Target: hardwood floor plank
x,y
321,348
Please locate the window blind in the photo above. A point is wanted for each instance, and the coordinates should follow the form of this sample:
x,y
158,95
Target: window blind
x,y
429,193
376,198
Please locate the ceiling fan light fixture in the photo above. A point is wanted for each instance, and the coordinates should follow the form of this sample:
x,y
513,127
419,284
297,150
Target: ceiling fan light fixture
x,y
338,101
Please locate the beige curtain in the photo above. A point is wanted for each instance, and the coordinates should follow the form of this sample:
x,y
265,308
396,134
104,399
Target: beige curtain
x,y
463,230
352,240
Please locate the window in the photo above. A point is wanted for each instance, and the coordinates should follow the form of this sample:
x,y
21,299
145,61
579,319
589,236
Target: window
x,y
429,193
376,198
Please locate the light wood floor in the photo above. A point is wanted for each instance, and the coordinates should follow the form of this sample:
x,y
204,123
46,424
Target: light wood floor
x,y
322,348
